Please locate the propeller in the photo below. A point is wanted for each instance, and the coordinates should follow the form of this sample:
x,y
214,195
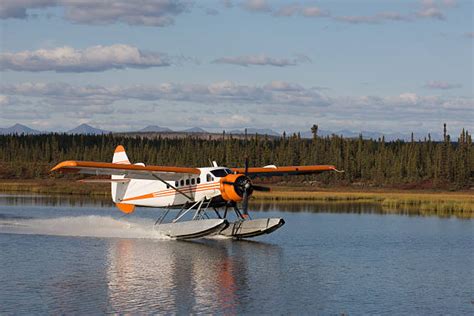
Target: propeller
x,y
246,187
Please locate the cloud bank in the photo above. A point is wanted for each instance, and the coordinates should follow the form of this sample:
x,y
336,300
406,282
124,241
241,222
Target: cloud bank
x,y
91,59
262,60
276,92
278,104
441,85
144,12
430,9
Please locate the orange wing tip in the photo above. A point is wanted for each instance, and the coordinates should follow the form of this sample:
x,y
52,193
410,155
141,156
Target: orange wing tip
x,y
64,164
126,208
119,149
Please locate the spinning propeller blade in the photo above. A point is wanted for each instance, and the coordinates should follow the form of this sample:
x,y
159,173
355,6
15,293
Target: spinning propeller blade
x,y
244,184
260,188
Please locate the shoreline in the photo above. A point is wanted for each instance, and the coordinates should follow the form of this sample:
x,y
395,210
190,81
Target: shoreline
x,y
442,203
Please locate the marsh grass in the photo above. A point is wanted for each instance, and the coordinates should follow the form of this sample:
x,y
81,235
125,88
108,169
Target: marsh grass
x,y
54,187
433,203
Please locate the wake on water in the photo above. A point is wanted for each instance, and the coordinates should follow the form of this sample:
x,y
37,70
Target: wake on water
x,y
83,226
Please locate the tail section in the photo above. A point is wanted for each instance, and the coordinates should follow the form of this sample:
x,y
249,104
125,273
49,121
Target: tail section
x,y
120,157
120,188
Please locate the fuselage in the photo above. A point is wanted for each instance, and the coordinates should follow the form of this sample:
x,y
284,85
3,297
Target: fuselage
x,y
173,193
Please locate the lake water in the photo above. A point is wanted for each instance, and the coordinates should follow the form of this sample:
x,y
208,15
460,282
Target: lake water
x,y
63,256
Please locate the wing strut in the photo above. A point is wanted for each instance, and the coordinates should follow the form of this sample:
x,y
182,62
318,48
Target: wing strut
x,y
173,187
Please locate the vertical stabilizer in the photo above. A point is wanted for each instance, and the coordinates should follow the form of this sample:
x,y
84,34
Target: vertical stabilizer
x,y
120,156
120,188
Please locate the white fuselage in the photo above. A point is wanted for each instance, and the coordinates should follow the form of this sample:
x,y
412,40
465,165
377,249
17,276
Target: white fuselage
x,y
155,193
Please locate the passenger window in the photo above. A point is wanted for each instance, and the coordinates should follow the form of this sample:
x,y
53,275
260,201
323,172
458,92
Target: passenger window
x,y
182,182
187,181
192,181
198,180
208,177
176,183
167,186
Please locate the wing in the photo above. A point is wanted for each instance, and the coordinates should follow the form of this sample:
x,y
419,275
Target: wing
x,y
129,171
271,171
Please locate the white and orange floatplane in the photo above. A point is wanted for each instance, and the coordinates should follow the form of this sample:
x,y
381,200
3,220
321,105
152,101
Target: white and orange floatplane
x,y
206,197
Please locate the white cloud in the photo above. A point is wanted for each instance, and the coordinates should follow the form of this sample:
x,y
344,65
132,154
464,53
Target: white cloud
x,y
219,92
428,9
296,9
431,12
442,85
313,11
373,19
434,9
146,12
262,60
95,58
256,6
277,104
4,100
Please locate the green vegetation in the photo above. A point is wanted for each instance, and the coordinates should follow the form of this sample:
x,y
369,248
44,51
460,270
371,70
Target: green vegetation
x,y
460,204
54,186
374,163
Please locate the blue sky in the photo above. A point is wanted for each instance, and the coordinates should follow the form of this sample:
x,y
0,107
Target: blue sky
x,y
388,66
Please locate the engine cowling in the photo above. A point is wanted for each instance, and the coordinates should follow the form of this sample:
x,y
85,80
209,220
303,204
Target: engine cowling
x,y
232,187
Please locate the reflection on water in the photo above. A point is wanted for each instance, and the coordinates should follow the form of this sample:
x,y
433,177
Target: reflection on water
x,y
53,200
87,260
318,207
184,277
351,208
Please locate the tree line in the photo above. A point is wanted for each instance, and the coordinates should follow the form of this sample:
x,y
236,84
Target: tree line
x,y
426,163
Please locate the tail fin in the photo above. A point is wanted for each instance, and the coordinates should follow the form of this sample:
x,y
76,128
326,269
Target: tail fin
x,y
119,188
120,156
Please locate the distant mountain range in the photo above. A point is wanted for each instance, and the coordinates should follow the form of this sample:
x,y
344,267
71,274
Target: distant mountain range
x,y
86,129
155,129
19,129
195,130
89,130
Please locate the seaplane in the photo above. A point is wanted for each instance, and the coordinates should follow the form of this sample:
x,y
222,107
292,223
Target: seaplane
x,y
204,198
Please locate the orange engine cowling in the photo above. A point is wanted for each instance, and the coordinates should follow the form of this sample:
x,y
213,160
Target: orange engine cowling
x,y
232,187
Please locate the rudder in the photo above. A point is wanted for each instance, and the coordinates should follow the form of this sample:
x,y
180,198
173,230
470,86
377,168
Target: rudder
x,y
119,189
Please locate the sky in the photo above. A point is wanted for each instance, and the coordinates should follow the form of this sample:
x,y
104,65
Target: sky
x,y
371,65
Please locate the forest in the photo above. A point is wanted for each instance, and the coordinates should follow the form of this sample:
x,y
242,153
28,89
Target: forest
x,y
423,164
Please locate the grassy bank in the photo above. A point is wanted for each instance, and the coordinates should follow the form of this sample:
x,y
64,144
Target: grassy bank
x,y
442,203
54,186
460,204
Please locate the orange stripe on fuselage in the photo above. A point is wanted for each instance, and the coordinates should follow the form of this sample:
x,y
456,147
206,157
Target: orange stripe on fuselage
x,y
141,197
168,192
189,188
185,191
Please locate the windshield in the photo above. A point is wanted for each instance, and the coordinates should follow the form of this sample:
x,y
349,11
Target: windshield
x,y
221,172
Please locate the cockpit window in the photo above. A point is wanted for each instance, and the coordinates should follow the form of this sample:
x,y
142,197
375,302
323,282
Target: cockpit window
x,y
221,172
